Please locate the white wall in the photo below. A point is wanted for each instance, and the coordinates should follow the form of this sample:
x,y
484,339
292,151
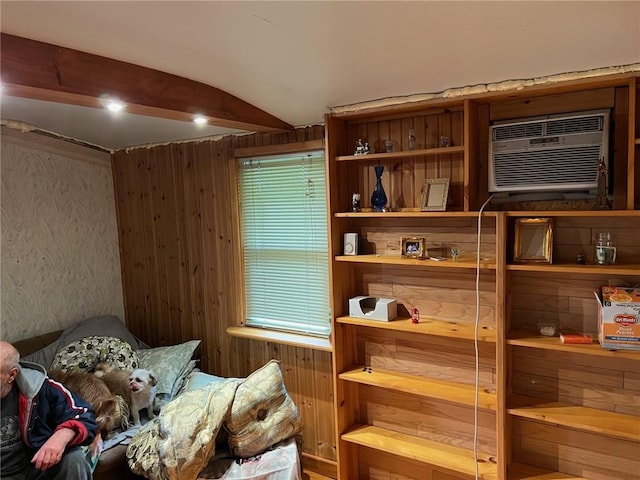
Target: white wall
x,y
59,253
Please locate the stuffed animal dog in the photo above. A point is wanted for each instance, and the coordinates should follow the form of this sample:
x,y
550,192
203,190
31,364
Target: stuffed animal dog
x,y
138,388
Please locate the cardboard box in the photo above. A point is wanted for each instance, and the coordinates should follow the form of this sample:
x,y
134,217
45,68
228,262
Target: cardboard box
x,y
373,308
619,318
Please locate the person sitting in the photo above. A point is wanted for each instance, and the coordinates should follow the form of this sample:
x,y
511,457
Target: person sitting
x,y
43,424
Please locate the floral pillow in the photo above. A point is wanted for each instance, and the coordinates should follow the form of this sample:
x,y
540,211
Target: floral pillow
x,y
85,353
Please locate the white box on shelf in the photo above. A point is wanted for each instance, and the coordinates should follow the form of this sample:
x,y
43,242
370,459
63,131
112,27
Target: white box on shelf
x,y
373,308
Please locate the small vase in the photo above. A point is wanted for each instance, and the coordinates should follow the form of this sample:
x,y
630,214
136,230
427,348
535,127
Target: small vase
x,y
378,197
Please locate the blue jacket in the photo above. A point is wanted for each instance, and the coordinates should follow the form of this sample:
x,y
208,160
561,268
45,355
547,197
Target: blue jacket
x,y
45,406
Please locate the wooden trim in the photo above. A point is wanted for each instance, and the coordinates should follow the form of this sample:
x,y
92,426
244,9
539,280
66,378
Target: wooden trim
x,y
319,465
49,72
503,425
283,338
633,120
278,149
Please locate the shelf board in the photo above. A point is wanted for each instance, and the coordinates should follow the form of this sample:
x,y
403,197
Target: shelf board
x,y
618,425
425,152
438,328
520,471
523,338
463,263
616,269
441,455
573,213
410,213
426,387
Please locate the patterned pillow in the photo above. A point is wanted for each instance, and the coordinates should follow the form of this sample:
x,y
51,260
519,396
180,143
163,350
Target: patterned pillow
x,y
85,353
262,413
172,364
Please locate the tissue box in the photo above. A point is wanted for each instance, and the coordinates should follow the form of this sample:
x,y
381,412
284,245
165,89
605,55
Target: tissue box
x,y
373,308
619,318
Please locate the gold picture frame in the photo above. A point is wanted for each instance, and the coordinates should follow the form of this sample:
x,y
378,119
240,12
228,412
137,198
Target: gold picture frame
x,y
533,240
413,247
435,192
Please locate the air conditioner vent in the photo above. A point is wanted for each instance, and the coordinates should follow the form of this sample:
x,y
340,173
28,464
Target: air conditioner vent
x,y
521,130
574,125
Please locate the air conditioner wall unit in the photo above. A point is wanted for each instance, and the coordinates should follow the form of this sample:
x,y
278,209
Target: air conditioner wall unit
x,y
554,153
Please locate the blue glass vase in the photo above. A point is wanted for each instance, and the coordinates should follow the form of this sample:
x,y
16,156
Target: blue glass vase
x,y
378,197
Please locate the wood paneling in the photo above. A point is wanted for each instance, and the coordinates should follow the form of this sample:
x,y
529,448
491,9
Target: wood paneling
x,y
179,238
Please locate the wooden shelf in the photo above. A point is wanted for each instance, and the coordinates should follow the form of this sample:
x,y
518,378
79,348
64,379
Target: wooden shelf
x,y
522,338
438,328
617,269
573,213
426,387
410,213
618,425
520,471
463,263
425,152
441,455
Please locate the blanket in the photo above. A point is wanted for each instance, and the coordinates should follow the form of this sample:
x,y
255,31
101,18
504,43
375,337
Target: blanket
x,y
180,441
257,412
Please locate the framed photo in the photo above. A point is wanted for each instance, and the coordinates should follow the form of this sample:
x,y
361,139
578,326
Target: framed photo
x,y
434,195
533,240
413,247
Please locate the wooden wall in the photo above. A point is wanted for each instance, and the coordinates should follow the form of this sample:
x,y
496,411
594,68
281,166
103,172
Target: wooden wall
x,y
181,266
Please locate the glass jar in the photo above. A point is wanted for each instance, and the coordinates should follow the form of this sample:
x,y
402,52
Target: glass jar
x,y
605,249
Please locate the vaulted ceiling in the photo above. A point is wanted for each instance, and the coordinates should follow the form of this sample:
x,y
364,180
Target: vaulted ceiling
x,y
291,60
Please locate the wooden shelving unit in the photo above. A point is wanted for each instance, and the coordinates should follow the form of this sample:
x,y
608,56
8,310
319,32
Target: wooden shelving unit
x,y
425,152
447,457
611,424
462,263
427,326
531,340
405,393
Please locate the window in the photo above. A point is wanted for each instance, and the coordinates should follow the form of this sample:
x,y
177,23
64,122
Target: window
x,y
283,212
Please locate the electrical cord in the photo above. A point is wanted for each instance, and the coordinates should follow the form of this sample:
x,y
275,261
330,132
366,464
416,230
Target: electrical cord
x,y
475,342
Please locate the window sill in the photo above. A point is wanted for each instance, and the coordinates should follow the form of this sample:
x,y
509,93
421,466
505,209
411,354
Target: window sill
x,y
293,339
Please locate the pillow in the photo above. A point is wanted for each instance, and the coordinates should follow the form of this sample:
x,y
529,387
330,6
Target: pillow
x,y
105,326
170,364
262,413
84,354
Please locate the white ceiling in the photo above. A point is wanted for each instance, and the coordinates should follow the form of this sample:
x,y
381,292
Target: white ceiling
x,y
297,59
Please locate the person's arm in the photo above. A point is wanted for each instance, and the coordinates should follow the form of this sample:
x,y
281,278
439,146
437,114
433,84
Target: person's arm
x,y
51,452
70,412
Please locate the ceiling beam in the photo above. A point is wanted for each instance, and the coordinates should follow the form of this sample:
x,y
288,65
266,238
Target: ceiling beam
x,y
42,71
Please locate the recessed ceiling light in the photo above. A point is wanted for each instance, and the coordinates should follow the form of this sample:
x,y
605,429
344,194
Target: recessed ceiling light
x,y
199,120
114,105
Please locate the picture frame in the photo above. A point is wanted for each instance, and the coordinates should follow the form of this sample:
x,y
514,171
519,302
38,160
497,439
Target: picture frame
x,y
533,240
435,192
413,247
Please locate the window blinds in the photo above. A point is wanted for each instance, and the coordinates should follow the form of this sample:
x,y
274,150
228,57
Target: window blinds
x,y
284,236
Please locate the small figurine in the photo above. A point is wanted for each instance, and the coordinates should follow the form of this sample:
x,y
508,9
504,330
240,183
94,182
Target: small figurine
x,y
415,315
580,260
361,148
454,254
355,202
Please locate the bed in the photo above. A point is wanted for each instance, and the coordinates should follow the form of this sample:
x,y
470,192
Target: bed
x,y
205,426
